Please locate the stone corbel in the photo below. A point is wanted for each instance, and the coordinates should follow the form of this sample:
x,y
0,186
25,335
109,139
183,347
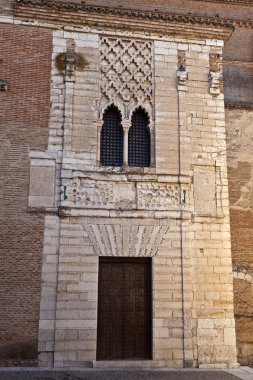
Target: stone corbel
x,y
182,79
214,81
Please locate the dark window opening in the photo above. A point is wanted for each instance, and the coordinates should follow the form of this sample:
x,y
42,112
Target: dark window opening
x,y
139,140
111,143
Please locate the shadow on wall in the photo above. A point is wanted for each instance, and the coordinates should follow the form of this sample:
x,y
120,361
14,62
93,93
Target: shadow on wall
x,y
21,354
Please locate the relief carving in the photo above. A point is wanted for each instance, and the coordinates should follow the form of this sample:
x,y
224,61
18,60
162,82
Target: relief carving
x,y
84,192
215,74
90,193
126,68
157,196
126,238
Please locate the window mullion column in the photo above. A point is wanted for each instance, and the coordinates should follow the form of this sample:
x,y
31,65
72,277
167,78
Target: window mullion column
x,y
152,144
99,129
126,126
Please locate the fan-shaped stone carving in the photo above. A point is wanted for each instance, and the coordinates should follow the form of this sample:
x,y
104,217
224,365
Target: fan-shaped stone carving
x,y
126,238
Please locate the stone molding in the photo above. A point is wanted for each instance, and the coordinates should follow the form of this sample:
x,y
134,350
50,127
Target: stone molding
x,y
108,17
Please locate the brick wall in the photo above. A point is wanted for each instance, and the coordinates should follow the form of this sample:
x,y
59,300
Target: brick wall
x,y
25,64
240,170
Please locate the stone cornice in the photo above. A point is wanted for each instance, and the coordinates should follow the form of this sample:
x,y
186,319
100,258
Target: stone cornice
x,y
62,13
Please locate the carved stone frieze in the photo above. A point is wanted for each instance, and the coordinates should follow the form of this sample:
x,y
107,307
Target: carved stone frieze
x,y
99,194
126,67
126,237
157,196
90,193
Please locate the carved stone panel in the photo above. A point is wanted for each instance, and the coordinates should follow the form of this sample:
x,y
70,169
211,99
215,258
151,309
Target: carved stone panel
x,y
91,193
41,190
126,68
204,190
126,237
157,196
99,194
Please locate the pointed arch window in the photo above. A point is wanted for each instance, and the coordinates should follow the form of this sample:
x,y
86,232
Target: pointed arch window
x,y
111,138
139,139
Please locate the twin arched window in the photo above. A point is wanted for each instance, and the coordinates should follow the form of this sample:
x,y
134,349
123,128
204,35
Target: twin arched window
x,y
112,139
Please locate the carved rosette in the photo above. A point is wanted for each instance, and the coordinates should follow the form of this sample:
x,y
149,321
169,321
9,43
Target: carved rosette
x,y
157,196
98,194
90,193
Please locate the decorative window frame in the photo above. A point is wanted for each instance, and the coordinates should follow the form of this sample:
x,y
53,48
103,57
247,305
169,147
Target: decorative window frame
x,y
126,124
126,106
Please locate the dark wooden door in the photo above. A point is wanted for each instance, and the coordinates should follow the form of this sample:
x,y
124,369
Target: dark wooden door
x,y
124,309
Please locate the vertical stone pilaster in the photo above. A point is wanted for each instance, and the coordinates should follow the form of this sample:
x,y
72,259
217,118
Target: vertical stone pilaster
x,y
49,285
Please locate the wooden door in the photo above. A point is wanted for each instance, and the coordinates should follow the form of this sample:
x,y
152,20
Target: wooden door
x,y
124,309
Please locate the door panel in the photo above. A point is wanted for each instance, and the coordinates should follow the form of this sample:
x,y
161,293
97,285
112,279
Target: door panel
x,y
124,309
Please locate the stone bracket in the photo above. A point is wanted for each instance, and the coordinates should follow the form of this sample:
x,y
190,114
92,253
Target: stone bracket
x,y
214,81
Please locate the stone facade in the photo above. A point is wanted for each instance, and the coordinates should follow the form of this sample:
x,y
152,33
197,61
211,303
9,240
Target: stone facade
x,y
176,211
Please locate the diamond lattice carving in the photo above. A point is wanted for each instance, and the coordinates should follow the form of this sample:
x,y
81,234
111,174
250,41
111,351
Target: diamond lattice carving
x,y
126,67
